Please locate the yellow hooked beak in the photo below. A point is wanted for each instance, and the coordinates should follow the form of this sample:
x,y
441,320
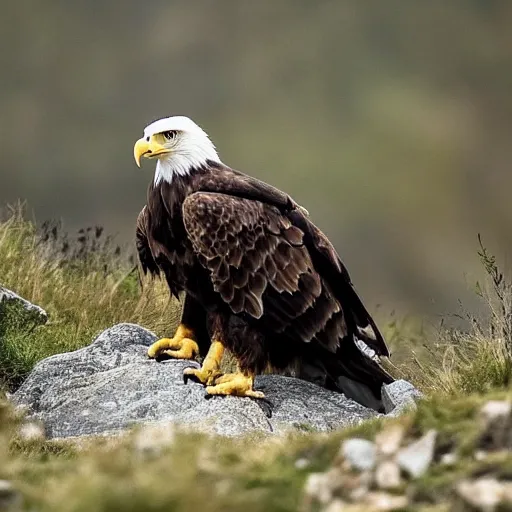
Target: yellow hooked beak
x,y
149,148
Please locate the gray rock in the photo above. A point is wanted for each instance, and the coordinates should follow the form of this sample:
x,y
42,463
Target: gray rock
x,y
111,385
496,421
399,396
417,457
360,453
23,310
495,410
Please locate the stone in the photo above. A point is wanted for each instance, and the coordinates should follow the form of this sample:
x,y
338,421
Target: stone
x,y
386,502
449,459
480,455
399,396
10,498
356,486
32,431
495,409
23,311
417,457
336,505
150,440
112,385
389,439
387,475
302,463
359,453
496,424
483,494
320,486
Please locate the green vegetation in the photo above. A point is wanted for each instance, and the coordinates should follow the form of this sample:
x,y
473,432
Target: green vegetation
x,y
85,284
198,472
88,284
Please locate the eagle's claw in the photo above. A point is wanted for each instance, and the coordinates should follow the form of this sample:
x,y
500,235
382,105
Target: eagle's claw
x,y
202,375
181,346
236,384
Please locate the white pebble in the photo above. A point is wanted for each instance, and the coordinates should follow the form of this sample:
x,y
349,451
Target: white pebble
x,y
387,475
386,502
152,439
388,441
32,431
360,453
416,458
483,494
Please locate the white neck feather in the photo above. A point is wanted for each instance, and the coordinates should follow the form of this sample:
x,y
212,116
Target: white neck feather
x,y
191,152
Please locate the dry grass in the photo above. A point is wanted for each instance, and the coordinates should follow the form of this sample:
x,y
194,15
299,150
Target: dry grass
x,y
85,283
477,359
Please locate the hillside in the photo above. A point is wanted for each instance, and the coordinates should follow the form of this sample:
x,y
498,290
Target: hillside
x,y
87,284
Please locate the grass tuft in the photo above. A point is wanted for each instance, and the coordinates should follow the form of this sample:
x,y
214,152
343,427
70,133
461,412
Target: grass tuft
x,y
475,360
85,283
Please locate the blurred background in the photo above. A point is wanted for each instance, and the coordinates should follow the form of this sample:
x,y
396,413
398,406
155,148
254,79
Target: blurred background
x,y
390,121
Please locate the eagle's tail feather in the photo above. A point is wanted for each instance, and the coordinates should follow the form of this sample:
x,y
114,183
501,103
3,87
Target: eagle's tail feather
x,y
352,373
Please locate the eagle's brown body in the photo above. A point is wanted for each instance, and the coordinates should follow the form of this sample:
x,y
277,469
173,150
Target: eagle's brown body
x,y
256,268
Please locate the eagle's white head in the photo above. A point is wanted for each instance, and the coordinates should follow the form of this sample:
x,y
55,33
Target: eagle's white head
x,y
178,144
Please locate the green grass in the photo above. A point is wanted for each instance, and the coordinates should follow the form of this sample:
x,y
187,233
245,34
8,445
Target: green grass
x,y
85,283
88,284
255,473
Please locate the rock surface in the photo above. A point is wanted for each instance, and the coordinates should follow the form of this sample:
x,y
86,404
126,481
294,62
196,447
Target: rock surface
x,y
399,396
360,453
25,311
111,385
416,458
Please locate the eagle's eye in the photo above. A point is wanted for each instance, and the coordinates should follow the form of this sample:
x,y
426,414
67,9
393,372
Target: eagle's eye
x,y
170,135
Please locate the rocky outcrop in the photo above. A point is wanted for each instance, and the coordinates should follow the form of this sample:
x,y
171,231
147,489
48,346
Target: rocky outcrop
x,y
20,310
111,385
378,474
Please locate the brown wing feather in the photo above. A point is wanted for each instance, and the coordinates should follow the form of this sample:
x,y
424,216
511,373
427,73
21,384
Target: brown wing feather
x,y
259,265
144,254
326,258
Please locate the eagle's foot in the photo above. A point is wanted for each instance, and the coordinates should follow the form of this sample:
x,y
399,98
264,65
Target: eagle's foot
x,y
181,346
236,384
210,371
202,375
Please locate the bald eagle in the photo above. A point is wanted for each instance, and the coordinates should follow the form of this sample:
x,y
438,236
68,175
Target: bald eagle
x,y
259,278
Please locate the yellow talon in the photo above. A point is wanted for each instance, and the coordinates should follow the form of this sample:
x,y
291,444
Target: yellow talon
x,y
181,346
211,365
237,384
202,375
